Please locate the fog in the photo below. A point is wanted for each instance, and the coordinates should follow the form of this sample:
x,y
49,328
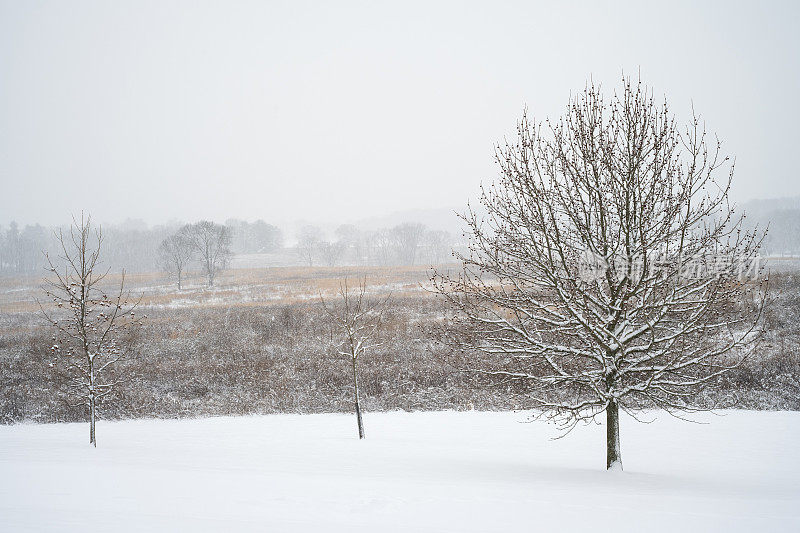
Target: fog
x,y
228,209
310,112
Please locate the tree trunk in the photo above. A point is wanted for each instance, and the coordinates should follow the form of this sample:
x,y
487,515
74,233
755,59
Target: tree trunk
x,y
613,454
92,399
92,417
358,405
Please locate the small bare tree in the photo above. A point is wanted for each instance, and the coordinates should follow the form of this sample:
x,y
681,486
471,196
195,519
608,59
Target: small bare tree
x,y
357,318
92,327
408,238
309,241
212,243
608,270
176,253
382,244
439,244
332,252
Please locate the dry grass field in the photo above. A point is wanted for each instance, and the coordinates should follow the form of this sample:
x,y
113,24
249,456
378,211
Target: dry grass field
x,y
235,287
259,342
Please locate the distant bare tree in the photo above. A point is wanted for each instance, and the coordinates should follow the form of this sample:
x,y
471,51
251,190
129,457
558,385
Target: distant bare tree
x,y
176,253
308,243
383,245
132,245
408,238
439,244
255,237
92,327
21,250
357,317
265,237
608,269
348,233
332,252
212,243
11,249
353,242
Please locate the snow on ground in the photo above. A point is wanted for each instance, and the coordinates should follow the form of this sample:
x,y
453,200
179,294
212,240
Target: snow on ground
x,y
443,471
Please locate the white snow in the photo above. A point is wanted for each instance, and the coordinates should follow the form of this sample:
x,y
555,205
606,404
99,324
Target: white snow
x,y
442,471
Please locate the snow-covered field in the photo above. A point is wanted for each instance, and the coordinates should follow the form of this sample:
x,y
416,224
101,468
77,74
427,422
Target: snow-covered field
x,y
441,471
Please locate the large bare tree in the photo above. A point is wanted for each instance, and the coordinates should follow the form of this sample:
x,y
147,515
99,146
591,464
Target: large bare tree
x,y
439,244
92,327
332,252
357,318
175,254
408,237
382,244
608,269
212,244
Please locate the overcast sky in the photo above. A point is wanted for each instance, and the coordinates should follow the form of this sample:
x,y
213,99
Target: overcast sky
x,y
332,111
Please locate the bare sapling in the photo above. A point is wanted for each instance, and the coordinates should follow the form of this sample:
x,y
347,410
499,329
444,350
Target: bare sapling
x,y
357,318
93,329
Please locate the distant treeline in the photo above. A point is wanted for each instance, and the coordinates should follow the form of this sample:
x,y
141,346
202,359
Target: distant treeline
x,y
135,246
783,231
131,245
403,244
781,218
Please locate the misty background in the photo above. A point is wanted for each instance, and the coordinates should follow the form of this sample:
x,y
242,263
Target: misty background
x,y
149,115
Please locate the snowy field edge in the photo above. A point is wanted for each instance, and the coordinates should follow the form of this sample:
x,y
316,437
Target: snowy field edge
x,y
421,471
